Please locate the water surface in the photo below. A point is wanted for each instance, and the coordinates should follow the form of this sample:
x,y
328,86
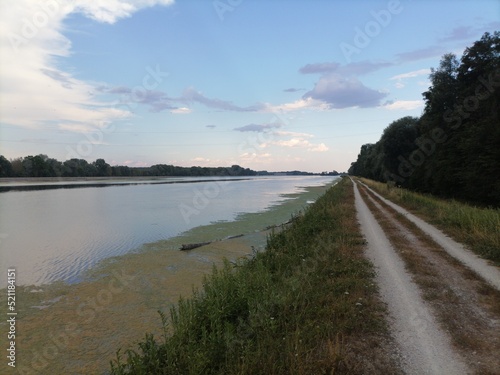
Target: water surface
x,y
58,233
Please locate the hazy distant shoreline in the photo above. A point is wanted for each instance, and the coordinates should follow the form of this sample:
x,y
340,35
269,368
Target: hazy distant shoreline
x,y
34,183
12,180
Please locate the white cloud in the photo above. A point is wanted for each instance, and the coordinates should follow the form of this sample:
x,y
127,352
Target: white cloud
x,y
301,104
293,142
34,91
400,78
131,163
200,160
110,11
260,159
319,148
298,143
405,105
412,74
181,111
292,134
340,92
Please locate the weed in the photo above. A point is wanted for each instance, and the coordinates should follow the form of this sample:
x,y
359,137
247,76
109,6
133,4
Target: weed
x,y
477,227
307,305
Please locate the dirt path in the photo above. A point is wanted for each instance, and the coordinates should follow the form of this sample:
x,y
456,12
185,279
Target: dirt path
x,y
444,318
479,265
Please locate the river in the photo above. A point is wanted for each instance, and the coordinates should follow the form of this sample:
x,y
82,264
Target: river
x,y
57,231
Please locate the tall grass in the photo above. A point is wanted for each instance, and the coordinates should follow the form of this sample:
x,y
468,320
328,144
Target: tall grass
x,y
477,227
304,306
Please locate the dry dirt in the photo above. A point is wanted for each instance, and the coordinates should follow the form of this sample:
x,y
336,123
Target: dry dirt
x,y
444,315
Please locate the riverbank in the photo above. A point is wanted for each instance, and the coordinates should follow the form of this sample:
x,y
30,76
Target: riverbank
x,y
307,305
77,328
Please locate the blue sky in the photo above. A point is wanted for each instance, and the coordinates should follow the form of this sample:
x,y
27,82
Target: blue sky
x,y
275,85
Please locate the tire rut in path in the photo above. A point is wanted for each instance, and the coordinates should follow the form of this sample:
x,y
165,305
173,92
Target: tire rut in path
x,y
424,347
479,265
465,305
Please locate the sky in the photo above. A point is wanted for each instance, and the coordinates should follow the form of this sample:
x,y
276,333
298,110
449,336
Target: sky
x,y
269,85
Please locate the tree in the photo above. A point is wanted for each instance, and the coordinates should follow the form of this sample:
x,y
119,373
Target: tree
x,y
102,168
397,143
479,61
442,94
78,168
122,170
43,166
479,133
366,163
5,167
457,138
55,167
36,166
17,167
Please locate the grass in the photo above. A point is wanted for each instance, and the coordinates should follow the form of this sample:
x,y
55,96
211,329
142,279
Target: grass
x,y
474,226
454,292
307,305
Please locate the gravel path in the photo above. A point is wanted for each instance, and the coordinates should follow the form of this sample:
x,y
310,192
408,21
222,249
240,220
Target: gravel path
x,y
479,265
424,347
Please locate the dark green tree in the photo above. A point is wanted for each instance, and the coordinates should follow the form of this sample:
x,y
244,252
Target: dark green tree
x,y
5,167
17,167
443,93
397,143
78,168
102,168
36,166
454,148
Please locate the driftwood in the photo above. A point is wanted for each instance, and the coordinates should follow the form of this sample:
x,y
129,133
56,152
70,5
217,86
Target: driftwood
x,y
282,224
236,236
191,246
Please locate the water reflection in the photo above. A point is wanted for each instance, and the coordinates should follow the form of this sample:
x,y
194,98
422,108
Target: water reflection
x,y
49,185
57,233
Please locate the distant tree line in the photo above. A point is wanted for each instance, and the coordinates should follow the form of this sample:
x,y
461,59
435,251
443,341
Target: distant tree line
x,y
453,149
43,166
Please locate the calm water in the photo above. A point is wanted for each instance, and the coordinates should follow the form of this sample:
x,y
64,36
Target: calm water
x,y
57,233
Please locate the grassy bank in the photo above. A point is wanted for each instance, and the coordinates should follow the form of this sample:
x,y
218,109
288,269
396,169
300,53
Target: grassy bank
x,y
307,305
474,226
